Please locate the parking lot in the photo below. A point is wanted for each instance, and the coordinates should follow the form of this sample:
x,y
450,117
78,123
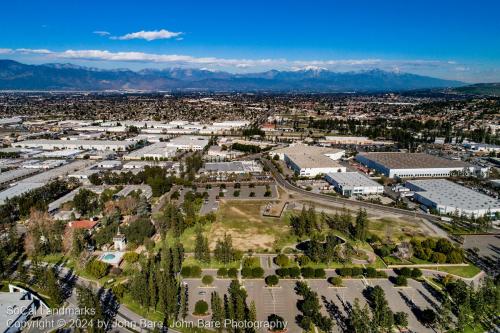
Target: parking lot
x,y
336,302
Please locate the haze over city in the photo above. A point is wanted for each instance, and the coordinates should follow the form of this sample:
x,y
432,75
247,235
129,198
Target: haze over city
x,y
249,167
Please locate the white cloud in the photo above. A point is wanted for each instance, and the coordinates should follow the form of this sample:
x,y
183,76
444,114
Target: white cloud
x,y
101,33
149,35
34,51
439,68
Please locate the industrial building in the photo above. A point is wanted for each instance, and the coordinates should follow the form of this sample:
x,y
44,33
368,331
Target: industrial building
x,y
235,167
334,154
414,165
156,151
76,144
188,142
353,183
449,198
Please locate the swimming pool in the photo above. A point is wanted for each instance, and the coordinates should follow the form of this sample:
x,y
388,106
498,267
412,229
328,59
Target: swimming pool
x,y
112,258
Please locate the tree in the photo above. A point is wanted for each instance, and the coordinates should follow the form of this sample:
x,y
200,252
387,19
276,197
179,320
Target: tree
x,y
401,319
277,323
184,305
143,207
85,201
359,320
201,308
91,311
428,317
201,250
207,280
224,251
361,228
52,287
217,310
282,260
382,316
272,280
444,317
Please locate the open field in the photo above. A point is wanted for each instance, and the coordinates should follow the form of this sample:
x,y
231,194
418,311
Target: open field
x,y
397,229
243,220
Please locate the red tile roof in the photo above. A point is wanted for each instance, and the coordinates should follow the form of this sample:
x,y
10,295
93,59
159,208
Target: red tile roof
x,y
83,224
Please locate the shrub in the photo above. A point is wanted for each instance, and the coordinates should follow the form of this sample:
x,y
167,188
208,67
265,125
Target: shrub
x,y
356,271
195,271
344,271
401,281
303,260
236,194
207,279
416,273
438,257
307,272
319,273
405,271
131,257
200,308
252,194
294,272
371,272
272,280
277,322
118,290
191,271
222,272
335,280
282,260
115,271
186,271
96,268
232,273
282,272
246,272
257,272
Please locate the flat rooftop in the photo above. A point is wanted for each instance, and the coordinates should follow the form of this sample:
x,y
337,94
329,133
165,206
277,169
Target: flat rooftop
x,y
236,166
447,193
305,148
314,160
413,161
8,303
352,179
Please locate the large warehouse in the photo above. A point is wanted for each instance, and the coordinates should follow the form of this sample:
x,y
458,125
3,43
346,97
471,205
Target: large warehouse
x,y
310,165
449,198
412,165
188,142
46,144
353,183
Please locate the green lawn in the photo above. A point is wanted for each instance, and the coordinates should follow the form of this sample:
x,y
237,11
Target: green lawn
x,y
464,271
191,261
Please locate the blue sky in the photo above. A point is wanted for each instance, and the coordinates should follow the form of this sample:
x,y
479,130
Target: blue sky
x,y
448,39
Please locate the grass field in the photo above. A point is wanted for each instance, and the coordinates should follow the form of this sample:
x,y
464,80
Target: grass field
x,y
248,228
464,271
396,229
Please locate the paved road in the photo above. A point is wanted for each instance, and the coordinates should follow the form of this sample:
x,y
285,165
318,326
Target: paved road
x,y
303,194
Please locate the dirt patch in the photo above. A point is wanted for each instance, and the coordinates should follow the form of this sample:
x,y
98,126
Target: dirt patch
x,y
250,238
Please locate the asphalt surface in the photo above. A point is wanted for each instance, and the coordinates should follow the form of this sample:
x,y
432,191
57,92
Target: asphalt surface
x,y
361,204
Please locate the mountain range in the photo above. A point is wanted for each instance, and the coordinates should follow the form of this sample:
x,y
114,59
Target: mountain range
x,y
18,76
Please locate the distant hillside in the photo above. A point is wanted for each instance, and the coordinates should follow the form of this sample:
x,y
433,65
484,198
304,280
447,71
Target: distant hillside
x,y
491,89
18,76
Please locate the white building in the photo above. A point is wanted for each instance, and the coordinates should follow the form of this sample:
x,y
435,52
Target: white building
x,y
235,167
353,183
334,154
156,151
414,165
76,144
188,142
449,198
